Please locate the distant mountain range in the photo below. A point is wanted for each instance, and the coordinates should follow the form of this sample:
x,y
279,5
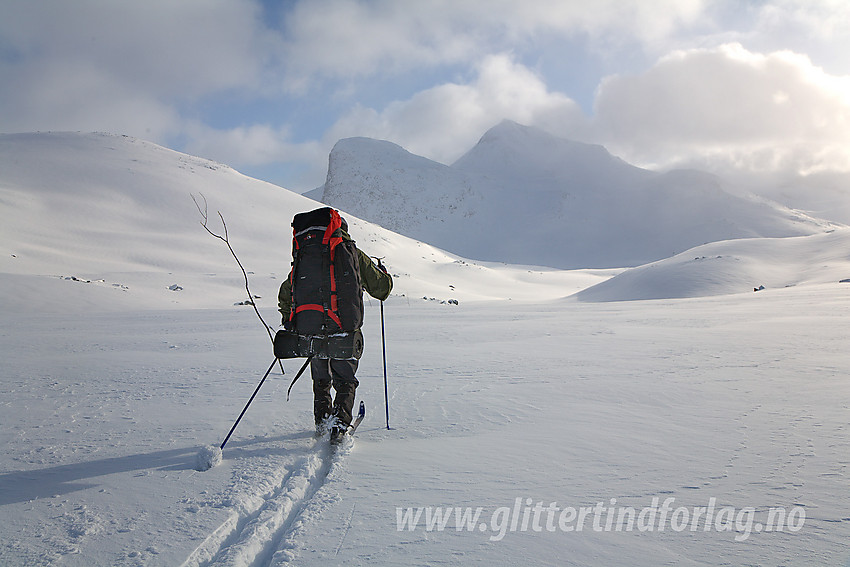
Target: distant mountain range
x,y
523,196
105,222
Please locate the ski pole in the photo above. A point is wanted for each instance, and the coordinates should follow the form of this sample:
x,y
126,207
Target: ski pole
x,y
384,347
297,376
232,429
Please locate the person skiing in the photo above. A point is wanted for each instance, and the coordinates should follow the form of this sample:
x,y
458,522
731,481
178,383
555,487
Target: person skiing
x,y
334,414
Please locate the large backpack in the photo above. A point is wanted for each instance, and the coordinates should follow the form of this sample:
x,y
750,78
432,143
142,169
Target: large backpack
x,y
327,293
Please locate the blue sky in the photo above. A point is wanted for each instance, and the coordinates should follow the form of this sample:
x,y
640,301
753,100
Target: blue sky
x,y
268,87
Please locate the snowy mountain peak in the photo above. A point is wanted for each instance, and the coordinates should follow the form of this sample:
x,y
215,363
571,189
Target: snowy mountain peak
x,y
514,149
104,222
383,180
367,147
371,156
575,205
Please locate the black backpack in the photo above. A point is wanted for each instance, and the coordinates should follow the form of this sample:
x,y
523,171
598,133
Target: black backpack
x,y
327,292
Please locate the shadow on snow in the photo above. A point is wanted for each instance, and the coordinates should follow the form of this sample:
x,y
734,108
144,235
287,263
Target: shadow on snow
x,y
23,486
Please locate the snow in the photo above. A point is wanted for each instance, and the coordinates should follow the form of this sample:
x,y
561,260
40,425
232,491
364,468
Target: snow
x,y
208,457
524,392
732,266
118,212
526,197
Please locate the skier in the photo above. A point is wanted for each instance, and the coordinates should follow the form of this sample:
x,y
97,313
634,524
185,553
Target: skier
x,y
336,414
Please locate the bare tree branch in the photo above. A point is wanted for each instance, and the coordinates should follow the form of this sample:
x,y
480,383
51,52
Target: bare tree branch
x,y
226,239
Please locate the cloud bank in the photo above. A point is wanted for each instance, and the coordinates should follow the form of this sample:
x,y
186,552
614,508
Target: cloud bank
x,y
711,83
752,111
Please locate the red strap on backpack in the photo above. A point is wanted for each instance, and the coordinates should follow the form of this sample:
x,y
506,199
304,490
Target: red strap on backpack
x,y
333,225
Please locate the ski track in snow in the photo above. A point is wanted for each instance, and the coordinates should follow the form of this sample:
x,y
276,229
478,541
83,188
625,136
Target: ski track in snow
x,y
261,530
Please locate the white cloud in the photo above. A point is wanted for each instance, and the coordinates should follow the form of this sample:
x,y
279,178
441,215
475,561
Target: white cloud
x,y
818,28
77,96
827,20
122,66
159,70
351,38
730,106
444,121
258,144
181,48
440,123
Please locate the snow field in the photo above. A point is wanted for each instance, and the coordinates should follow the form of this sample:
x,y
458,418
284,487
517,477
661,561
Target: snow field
x,y
124,354
722,398
737,398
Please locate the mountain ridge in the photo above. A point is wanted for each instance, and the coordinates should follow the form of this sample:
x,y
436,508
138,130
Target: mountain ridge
x,y
524,196
107,222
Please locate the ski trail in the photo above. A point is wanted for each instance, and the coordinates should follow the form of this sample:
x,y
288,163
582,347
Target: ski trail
x,y
289,541
250,537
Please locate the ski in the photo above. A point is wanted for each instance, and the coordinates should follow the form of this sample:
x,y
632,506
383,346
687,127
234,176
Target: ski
x,y
360,415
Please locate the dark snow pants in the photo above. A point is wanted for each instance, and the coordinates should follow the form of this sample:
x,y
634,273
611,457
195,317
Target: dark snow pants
x,y
327,372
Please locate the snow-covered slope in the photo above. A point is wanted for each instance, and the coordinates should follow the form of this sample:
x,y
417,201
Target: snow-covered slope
x,y
404,192
523,432
524,196
733,266
824,195
110,220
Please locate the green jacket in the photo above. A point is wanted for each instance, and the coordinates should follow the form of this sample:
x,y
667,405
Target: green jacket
x,y
375,281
